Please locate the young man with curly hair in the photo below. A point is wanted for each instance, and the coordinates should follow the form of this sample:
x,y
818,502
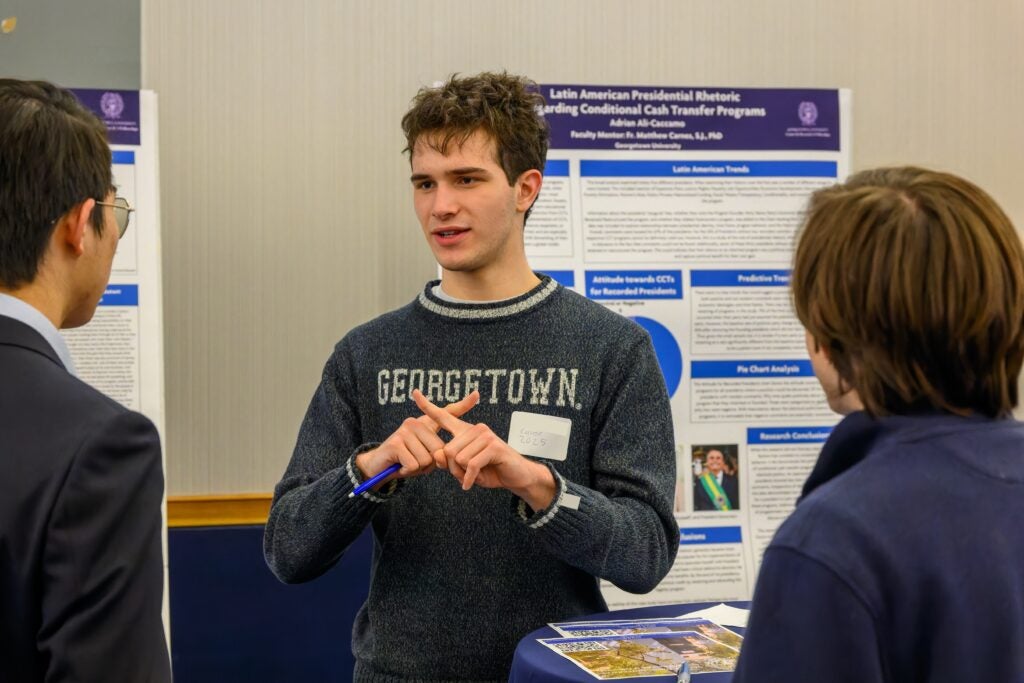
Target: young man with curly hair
x,y
475,542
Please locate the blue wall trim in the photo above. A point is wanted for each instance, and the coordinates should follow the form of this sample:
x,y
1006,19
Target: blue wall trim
x,y
233,621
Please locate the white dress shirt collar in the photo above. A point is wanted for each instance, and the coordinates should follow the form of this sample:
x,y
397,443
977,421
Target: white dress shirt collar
x,y
13,307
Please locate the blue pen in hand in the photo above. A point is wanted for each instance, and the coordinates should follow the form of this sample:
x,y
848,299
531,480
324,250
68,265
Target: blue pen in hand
x,y
375,479
684,673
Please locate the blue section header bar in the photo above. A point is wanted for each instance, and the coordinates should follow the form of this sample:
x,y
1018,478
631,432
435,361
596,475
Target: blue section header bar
x,y
749,369
634,118
770,435
708,169
557,167
120,295
709,535
634,284
739,278
122,156
566,278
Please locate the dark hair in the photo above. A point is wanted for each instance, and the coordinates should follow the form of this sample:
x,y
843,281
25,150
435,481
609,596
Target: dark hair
x,y
508,108
913,282
53,156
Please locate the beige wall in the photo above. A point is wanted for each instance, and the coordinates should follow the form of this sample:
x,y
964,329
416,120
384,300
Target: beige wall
x,y
286,211
91,44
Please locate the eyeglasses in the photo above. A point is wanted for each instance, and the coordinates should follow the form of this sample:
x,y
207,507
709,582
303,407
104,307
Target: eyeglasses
x,y
122,212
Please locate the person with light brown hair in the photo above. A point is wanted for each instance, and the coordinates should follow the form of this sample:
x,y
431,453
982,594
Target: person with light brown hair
x,y
563,472
904,559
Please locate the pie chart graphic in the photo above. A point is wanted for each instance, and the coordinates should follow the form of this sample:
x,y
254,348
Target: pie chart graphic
x,y
666,348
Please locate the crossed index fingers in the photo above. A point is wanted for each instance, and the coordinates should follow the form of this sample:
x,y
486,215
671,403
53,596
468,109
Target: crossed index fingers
x,y
446,420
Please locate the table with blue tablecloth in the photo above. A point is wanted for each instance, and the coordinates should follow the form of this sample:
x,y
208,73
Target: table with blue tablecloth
x,y
535,663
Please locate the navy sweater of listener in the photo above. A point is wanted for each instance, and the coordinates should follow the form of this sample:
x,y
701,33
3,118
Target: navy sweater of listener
x,y
903,561
459,577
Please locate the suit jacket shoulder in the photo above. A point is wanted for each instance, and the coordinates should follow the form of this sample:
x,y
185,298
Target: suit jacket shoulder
x,y
81,483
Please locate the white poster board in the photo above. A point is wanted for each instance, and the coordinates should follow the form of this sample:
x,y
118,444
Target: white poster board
x,y
120,352
678,207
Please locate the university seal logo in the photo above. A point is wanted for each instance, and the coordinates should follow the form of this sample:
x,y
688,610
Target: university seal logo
x,y
111,104
808,113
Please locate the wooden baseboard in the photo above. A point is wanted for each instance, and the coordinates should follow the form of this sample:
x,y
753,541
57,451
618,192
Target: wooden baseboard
x,y
228,509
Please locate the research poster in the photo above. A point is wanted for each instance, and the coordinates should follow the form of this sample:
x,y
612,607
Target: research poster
x,y
120,351
678,207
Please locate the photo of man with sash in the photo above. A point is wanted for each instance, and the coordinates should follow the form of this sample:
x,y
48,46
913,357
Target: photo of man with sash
x,y
715,486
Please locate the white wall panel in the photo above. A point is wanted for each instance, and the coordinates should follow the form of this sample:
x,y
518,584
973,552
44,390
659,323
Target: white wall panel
x,y
287,216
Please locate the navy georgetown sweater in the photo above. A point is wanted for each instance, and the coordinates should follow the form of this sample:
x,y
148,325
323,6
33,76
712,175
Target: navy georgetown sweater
x,y
903,561
459,577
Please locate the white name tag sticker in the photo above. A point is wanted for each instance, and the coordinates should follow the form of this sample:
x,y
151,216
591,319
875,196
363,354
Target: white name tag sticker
x,y
542,436
569,501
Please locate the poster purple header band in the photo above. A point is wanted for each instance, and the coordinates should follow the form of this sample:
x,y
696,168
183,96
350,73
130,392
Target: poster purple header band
x,y
118,109
688,118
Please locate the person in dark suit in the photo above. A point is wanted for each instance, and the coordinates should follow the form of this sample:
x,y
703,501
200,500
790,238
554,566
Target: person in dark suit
x,y
81,480
714,488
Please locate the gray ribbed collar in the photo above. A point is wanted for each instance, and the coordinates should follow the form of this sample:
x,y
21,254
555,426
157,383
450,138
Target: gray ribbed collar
x,y
487,311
